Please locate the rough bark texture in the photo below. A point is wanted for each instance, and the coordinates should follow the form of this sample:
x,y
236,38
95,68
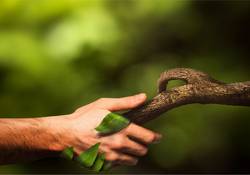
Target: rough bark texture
x,y
199,88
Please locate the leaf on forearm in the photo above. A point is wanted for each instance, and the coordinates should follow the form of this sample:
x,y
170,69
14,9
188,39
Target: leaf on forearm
x,y
99,162
88,157
112,123
68,153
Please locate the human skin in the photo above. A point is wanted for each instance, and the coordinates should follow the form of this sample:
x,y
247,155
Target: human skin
x,y
24,139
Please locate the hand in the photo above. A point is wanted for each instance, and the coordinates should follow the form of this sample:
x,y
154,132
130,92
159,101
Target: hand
x,y
123,147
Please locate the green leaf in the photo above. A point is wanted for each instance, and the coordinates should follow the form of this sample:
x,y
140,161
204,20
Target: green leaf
x,y
112,123
68,153
88,157
99,162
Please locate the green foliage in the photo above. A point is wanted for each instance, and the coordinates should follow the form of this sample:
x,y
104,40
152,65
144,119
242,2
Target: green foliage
x,y
88,157
112,123
56,55
99,162
68,153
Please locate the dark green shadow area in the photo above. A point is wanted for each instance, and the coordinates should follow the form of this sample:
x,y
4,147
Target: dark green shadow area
x,y
58,55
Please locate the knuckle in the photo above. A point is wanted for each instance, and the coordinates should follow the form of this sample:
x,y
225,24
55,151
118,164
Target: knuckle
x,y
101,100
79,109
120,142
128,129
112,157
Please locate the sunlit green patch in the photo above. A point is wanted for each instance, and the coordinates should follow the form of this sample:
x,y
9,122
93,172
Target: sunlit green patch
x,y
88,157
112,123
68,153
99,162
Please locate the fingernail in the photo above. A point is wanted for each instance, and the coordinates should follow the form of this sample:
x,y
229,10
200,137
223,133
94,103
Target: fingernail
x,y
157,139
141,96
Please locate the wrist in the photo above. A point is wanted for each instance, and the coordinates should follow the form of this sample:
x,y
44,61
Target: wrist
x,y
57,135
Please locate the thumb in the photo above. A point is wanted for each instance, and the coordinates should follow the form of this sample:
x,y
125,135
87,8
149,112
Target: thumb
x,y
124,103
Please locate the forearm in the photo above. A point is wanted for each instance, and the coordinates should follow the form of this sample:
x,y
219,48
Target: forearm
x,y
28,139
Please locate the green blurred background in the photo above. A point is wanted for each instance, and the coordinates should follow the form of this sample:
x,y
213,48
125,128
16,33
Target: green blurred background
x,y
56,55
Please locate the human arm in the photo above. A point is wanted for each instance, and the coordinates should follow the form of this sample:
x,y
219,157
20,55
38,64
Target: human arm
x,y
34,138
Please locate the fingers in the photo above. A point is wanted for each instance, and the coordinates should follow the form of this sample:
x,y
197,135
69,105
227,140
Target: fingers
x,y
115,157
124,103
122,159
123,144
120,149
134,148
141,134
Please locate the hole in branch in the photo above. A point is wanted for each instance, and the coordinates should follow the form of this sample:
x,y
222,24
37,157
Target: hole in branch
x,y
175,83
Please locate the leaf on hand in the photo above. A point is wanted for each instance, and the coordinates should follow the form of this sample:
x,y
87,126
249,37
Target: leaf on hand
x,y
88,157
112,123
99,162
68,153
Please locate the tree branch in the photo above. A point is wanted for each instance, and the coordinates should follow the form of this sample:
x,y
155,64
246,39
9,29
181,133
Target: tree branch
x,y
199,88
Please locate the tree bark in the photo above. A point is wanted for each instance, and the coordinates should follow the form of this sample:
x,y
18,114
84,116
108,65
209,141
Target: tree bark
x,y
199,88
